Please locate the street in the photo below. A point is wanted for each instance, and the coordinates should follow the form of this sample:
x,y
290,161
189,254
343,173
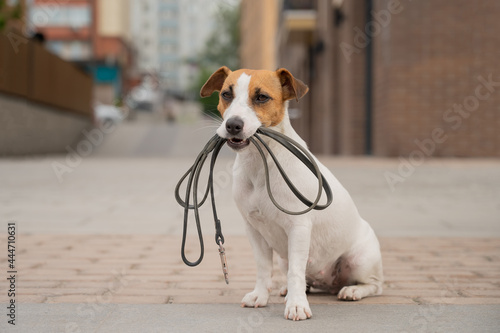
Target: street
x,y
101,234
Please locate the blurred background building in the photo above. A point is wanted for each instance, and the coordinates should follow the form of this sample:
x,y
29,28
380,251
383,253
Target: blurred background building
x,y
93,34
68,27
45,101
102,54
386,77
121,41
168,35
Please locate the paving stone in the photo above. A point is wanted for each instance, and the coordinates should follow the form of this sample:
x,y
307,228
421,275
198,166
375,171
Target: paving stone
x,y
74,276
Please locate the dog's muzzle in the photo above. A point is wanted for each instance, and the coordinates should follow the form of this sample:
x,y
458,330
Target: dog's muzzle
x,y
234,127
237,144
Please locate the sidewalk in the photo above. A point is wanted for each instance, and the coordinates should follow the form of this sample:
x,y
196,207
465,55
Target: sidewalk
x,y
140,269
106,283
100,249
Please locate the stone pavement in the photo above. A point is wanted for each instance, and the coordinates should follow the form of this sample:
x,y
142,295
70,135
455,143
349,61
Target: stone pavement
x,y
98,248
106,283
147,269
443,198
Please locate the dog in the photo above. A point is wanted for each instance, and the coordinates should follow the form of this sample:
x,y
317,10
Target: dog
x,y
334,249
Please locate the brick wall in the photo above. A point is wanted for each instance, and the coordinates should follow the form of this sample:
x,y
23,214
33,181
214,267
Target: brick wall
x,y
323,124
351,82
428,59
333,112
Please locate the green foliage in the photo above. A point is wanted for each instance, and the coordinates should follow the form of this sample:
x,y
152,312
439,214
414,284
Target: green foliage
x,y
209,104
17,12
8,13
3,15
222,46
221,49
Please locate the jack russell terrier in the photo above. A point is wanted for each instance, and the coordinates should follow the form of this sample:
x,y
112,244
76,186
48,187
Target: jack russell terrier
x,y
334,249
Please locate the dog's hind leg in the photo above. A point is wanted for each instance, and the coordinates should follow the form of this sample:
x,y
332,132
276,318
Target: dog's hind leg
x,y
366,274
369,285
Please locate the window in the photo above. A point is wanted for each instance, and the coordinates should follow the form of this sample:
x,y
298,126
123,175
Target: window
x,y
70,50
51,15
169,48
169,66
168,31
168,14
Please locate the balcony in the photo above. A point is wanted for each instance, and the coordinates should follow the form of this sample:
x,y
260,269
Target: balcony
x,y
298,15
298,5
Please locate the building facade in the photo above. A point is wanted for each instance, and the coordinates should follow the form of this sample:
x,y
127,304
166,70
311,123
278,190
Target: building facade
x,y
94,34
113,61
168,35
145,33
393,77
66,26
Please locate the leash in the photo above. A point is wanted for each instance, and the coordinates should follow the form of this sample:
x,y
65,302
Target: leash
x,y
214,146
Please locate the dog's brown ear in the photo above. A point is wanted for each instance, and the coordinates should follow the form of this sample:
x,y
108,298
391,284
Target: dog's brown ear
x,y
292,87
215,82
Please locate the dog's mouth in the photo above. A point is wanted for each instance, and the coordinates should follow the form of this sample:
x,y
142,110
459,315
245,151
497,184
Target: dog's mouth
x,y
237,144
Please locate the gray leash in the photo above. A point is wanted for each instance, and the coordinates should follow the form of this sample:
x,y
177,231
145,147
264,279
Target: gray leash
x,y
214,146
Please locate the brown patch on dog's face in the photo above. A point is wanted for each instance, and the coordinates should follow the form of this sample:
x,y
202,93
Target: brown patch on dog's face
x,y
265,96
227,92
267,91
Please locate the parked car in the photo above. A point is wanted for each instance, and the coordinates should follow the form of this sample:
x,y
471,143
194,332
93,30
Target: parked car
x,y
108,115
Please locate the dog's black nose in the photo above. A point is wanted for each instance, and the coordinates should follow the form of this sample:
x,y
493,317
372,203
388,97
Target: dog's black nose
x,y
234,125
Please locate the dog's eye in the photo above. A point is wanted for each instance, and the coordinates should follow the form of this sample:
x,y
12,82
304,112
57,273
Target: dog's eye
x,y
261,98
227,95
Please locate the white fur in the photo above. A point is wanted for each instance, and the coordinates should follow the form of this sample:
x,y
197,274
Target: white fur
x,y
308,245
239,107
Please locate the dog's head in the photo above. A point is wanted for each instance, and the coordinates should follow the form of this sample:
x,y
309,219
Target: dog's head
x,y
249,99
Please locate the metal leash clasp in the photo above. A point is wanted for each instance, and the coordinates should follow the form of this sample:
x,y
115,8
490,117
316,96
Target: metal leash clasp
x,y
223,261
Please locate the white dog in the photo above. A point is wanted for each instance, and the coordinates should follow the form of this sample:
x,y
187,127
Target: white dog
x,y
332,249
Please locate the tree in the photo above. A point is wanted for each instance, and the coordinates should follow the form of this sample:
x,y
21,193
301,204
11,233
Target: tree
x,y
8,13
221,49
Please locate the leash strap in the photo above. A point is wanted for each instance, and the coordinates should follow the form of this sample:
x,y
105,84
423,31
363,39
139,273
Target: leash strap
x,y
306,158
214,146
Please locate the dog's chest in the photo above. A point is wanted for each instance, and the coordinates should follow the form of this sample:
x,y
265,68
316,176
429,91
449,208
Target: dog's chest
x,y
252,199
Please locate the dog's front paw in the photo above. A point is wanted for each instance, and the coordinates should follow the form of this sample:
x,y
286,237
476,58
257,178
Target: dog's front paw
x,y
350,293
297,308
255,299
